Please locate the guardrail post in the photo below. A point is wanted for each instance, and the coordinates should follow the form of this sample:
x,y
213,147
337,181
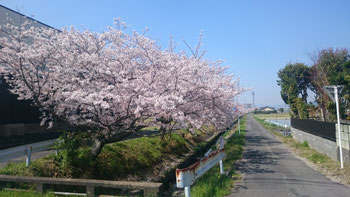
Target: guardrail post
x,y
90,191
221,167
188,191
40,188
29,155
150,191
186,176
239,127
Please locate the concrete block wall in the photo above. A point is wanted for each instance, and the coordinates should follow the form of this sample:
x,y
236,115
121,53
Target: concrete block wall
x,y
344,133
345,140
320,144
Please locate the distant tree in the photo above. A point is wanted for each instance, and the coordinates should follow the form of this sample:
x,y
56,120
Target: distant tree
x,y
347,87
301,107
313,111
331,67
294,80
281,110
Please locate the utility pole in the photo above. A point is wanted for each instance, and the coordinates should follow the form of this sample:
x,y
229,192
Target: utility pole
x,y
253,99
338,120
333,92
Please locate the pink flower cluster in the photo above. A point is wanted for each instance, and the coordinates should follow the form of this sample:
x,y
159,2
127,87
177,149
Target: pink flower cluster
x,y
115,82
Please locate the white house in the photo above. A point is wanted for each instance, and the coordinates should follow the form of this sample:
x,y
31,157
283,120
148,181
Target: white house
x,y
267,109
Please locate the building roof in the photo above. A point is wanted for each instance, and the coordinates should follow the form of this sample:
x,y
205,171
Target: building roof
x,y
4,10
267,108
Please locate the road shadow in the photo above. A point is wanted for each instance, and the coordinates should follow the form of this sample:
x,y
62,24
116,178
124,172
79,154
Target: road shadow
x,y
261,141
258,161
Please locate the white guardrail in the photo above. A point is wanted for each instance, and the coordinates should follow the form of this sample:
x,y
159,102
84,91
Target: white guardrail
x,y
185,177
282,123
11,153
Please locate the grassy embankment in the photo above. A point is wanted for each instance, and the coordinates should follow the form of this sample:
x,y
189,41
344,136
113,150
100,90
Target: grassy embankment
x,y
320,161
212,183
116,159
132,159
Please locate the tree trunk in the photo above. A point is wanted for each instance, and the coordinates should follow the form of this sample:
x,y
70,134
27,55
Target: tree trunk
x,y
322,114
99,142
97,146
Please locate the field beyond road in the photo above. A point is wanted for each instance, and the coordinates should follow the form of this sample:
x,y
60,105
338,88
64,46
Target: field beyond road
x,y
273,116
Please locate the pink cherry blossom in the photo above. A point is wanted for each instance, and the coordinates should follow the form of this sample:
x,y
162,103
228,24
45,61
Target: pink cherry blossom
x,y
115,83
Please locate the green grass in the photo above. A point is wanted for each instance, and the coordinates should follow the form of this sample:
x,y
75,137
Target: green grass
x,y
5,193
117,160
212,183
273,116
322,162
303,145
16,169
268,126
27,193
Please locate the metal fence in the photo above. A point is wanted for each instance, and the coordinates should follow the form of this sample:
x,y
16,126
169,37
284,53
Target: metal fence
x,y
322,129
280,122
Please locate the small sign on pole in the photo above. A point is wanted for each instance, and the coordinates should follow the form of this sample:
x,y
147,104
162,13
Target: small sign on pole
x,y
332,92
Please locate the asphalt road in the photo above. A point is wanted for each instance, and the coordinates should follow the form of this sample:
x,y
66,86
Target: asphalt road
x,y
270,170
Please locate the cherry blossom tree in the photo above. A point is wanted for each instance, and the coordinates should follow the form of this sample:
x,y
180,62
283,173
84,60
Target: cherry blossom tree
x,y
114,83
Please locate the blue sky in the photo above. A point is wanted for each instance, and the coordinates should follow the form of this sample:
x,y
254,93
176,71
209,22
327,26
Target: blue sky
x,y
254,38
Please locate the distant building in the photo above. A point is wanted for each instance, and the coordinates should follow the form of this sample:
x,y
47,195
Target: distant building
x,y
13,111
267,109
17,117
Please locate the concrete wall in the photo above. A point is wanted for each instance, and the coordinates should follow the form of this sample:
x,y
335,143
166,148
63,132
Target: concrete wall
x,y
320,144
345,139
20,129
7,130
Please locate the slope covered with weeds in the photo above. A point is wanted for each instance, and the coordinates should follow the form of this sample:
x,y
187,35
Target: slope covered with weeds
x,y
135,159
